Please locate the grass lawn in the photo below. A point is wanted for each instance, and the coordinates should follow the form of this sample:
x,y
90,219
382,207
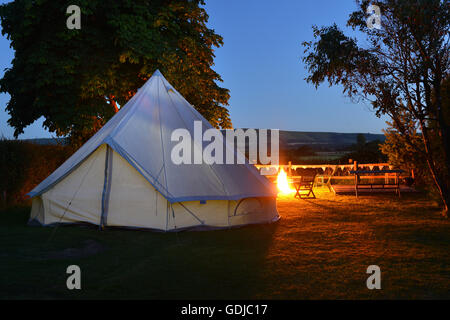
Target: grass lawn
x,y
320,249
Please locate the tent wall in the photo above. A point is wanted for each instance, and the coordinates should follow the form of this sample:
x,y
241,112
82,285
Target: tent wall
x,y
37,211
253,210
223,213
193,214
77,197
134,202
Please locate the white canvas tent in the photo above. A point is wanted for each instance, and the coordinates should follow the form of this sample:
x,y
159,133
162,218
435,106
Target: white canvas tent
x,y
124,176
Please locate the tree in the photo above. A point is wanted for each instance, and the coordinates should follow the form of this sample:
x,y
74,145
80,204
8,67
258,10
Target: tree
x,y
401,154
23,165
369,152
400,69
360,141
75,78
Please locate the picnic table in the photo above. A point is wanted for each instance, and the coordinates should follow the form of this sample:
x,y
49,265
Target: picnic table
x,y
387,184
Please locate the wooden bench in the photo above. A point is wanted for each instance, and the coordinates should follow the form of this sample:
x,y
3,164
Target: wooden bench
x,y
369,174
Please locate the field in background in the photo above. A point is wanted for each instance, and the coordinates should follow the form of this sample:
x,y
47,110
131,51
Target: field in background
x,y
328,139
320,249
287,138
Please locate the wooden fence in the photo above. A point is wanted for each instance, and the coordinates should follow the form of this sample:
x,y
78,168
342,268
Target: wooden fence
x,y
331,172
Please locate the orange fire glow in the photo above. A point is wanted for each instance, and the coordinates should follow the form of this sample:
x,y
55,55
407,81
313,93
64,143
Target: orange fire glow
x,y
283,183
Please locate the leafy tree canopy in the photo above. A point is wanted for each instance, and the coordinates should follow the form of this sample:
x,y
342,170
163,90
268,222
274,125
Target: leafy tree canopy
x,y
360,140
399,68
75,78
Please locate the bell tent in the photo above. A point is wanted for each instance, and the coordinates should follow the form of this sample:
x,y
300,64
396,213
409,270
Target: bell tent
x,y
124,176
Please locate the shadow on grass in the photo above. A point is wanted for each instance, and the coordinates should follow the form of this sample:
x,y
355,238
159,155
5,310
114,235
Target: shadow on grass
x,y
133,264
319,250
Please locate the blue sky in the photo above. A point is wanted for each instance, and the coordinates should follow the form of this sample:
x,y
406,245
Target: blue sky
x,y
260,63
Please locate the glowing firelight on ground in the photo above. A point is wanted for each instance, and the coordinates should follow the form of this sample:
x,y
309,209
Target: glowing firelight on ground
x,y
283,183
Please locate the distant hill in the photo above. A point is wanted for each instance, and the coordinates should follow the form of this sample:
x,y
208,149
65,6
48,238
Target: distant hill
x,y
326,139
288,139
322,141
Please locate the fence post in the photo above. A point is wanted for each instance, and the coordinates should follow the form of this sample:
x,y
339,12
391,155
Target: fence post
x,y
355,167
289,168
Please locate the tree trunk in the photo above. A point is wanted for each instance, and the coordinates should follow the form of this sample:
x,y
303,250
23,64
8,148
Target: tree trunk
x,y
439,180
444,131
446,203
445,135
441,186
113,103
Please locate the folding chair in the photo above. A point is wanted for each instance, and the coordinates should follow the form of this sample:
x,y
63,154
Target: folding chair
x,y
306,183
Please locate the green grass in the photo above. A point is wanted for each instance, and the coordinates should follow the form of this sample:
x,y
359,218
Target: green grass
x,y
320,249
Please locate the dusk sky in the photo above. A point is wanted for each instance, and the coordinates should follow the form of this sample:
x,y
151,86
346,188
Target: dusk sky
x,y
260,63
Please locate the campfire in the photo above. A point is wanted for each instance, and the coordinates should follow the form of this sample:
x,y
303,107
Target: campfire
x,y
283,183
